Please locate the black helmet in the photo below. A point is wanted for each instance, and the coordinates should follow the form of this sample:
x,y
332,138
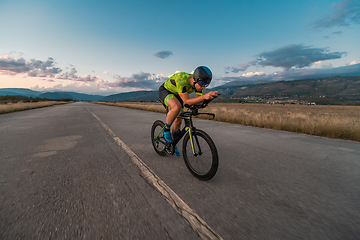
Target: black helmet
x,y
202,74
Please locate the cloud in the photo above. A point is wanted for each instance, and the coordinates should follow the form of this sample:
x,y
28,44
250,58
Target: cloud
x,y
69,75
352,63
97,85
11,66
41,69
163,54
344,14
86,78
291,56
34,68
350,69
48,80
320,64
297,56
253,74
140,80
46,71
75,87
337,33
240,67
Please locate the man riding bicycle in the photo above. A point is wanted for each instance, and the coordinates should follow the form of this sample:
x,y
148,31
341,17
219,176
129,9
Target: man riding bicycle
x,y
174,92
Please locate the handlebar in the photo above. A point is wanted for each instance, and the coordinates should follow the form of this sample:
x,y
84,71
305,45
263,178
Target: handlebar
x,y
194,108
202,104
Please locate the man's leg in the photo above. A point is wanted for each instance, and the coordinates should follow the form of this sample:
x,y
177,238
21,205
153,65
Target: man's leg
x,y
175,108
177,124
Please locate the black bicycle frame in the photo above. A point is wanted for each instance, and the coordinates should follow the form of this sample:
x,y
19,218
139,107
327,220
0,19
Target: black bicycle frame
x,y
189,127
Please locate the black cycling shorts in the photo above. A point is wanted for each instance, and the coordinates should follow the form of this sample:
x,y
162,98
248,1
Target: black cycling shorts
x,y
165,95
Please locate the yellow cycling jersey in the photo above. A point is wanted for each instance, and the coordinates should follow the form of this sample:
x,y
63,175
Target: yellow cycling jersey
x,y
178,84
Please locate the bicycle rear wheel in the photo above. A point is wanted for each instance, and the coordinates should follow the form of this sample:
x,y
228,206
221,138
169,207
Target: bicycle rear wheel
x,y
158,140
204,163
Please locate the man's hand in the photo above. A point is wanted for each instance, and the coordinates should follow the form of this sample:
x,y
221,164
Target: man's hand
x,y
211,95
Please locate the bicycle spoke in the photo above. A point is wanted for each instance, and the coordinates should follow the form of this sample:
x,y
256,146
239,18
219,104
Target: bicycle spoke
x,y
203,165
157,138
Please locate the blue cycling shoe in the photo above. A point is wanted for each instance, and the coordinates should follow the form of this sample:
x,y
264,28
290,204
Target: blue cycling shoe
x,y
176,152
167,136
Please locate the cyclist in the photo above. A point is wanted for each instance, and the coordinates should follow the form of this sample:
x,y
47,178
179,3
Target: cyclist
x,y
174,92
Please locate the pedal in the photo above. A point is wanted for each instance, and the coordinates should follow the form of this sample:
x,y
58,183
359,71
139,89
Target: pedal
x,y
169,148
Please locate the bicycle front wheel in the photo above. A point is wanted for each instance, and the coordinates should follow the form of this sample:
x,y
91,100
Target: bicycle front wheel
x,y
200,155
157,137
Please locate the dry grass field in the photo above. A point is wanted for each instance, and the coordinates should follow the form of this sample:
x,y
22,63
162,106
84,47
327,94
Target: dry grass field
x,y
19,106
342,122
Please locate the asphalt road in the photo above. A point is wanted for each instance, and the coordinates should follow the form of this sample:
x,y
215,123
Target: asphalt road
x,y
62,176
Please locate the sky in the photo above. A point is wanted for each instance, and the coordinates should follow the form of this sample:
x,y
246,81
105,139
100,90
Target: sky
x,y
107,47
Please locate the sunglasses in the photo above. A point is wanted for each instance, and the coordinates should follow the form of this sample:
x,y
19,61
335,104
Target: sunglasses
x,y
202,83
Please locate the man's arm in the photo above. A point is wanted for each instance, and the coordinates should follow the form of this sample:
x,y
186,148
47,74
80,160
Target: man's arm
x,y
199,98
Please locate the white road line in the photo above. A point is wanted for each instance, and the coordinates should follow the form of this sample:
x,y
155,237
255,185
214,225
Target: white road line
x,y
196,223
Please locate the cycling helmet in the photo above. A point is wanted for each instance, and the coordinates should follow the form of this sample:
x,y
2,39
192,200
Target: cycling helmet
x,y
202,75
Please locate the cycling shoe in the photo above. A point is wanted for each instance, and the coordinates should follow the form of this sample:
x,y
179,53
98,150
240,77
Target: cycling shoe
x,y
167,136
176,152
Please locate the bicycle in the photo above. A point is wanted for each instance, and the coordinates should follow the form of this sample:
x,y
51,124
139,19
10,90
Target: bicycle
x,y
199,151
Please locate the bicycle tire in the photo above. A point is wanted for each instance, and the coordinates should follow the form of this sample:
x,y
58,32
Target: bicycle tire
x,y
204,166
159,147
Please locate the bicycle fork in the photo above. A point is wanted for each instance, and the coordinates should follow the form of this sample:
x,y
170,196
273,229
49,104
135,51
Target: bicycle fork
x,y
189,127
192,130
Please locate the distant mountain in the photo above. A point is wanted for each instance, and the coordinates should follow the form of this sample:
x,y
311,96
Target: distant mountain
x,y
56,95
241,83
51,95
84,97
19,91
71,95
5,93
133,96
137,96
331,87
345,88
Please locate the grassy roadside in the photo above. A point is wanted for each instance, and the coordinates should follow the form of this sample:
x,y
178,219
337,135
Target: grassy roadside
x,y
20,106
340,122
